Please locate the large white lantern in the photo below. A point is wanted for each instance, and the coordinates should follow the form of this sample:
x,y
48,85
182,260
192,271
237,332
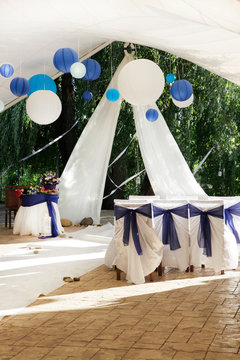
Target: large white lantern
x,y
183,104
141,82
78,70
43,107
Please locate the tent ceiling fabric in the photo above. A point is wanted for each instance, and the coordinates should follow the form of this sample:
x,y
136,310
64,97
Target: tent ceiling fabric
x,y
206,32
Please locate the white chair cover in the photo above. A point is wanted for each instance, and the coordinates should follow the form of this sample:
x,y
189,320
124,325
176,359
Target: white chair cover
x,y
232,248
35,220
137,266
111,253
178,258
144,198
217,260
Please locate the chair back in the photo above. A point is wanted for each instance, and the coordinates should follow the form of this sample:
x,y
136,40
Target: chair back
x,y
11,201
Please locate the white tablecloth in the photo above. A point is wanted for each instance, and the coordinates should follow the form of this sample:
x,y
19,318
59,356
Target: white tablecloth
x,y
35,220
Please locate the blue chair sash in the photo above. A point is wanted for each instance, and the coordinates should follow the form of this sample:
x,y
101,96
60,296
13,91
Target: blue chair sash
x,y
235,210
204,231
130,219
31,200
169,233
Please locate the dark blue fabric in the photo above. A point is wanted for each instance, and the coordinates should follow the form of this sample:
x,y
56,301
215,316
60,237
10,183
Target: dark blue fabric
x,y
204,231
131,220
31,200
235,210
169,233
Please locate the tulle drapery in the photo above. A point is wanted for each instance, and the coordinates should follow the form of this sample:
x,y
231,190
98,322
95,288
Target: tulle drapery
x,y
82,181
166,167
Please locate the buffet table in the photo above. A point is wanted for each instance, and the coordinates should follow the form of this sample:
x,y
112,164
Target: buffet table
x,y
39,216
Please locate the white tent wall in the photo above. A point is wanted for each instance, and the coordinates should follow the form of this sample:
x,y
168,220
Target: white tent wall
x,y
83,179
166,167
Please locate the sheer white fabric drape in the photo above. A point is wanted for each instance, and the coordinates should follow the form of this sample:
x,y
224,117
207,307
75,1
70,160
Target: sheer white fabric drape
x,y
166,167
82,181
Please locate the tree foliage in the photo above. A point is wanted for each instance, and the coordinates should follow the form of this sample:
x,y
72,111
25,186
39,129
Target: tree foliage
x,y
213,120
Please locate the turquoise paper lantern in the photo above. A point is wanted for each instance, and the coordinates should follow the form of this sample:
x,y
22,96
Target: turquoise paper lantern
x,y
170,78
19,86
152,115
41,82
112,95
64,58
6,70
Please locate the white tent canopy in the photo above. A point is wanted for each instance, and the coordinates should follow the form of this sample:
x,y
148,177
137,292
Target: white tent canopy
x,y
206,32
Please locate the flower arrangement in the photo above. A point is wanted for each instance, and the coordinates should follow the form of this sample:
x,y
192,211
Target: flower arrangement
x,y
49,180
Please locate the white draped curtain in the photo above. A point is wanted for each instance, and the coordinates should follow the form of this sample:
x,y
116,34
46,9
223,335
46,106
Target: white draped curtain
x,y
166,167
82,181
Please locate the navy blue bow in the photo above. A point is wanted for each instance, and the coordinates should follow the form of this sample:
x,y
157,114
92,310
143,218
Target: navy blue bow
x,y
131,220
235,210
204,231
169,233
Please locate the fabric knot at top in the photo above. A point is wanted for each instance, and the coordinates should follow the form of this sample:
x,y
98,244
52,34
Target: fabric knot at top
x,y
204,230
169,233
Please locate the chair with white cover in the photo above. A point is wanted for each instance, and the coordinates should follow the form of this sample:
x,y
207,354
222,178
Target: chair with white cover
x,y
138,249
111,253
232,232
144,198
170,218
207,243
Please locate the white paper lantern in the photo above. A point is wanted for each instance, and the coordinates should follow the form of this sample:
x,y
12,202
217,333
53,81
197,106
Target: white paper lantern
x,y
43,107
1,105
78,70
141,82
183,104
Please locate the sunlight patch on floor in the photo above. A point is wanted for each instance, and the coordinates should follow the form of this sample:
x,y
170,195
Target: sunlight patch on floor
x,y
112,296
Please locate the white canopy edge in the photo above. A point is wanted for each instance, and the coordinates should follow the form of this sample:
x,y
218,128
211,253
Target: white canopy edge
x,y
205,32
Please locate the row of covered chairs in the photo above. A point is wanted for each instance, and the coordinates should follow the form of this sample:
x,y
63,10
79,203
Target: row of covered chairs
x,y
179,234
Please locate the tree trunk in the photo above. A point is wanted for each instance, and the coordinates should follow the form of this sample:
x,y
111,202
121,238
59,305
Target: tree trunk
x,y
66,119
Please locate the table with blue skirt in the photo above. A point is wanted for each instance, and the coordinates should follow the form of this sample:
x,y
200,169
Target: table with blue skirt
x,y
39,216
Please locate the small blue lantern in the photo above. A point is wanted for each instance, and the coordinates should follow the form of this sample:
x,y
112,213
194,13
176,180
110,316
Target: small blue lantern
x,y
170,78
41,82
152,115
6,70
87,96
93,69
64,58
181,90
112,95
19,86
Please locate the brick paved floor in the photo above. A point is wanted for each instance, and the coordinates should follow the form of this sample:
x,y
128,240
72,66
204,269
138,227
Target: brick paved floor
x,y
180,316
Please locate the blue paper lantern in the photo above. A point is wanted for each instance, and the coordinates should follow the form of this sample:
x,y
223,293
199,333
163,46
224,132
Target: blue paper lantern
x,y
112,95
64,58
93,69
181,90
41,82
152,115
170,78
87,96
6,70
19,86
